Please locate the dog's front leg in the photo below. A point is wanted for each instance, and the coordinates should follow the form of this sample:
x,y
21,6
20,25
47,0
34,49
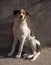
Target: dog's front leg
x,y
21,47
13,47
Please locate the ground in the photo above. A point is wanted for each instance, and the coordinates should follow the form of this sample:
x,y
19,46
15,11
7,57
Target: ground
x,y
43,59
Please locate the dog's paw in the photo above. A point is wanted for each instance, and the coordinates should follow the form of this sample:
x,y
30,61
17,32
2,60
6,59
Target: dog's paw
x,y
30,56
25,56
10,54
18,56
32,59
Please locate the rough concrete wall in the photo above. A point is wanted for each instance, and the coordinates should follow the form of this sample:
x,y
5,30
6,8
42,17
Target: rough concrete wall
x,y
40,11
6,9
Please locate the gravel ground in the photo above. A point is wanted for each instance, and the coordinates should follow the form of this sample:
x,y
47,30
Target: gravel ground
x,y
43,59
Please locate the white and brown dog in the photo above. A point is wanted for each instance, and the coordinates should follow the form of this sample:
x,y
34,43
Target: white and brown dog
x,y
22,32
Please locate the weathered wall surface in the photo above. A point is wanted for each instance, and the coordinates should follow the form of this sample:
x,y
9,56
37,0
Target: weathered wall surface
x,y
40,11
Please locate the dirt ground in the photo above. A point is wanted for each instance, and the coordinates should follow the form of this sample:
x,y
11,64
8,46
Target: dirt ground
x,y
43,59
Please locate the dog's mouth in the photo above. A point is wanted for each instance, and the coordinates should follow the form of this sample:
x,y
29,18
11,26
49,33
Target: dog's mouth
x,y
21,16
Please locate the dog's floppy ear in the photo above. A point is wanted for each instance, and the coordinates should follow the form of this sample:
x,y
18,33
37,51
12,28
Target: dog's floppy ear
x,y
15,12
28,14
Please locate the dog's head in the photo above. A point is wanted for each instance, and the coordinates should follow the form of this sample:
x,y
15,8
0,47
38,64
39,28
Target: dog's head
x,y
21,14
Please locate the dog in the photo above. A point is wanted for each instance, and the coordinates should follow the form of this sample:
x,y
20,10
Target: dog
x,y
23,33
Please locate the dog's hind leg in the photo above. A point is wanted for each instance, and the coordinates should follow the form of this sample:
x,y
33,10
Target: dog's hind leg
x,y
35,54
13,47
33,46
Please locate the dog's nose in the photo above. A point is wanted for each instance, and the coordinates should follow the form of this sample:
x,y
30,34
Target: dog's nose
x,y
20,16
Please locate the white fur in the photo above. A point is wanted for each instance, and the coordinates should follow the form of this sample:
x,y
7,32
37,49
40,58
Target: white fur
x,y
22,31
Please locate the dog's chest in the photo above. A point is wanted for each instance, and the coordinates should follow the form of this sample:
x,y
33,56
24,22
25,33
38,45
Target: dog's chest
x,y
20,29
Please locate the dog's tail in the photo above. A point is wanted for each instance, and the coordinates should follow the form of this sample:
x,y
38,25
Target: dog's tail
x,y
37,42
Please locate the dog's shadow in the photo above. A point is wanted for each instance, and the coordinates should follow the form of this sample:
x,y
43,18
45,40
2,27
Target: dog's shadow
x,y
4,53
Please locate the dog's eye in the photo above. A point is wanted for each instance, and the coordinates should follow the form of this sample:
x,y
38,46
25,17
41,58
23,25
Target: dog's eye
x,y
24,13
